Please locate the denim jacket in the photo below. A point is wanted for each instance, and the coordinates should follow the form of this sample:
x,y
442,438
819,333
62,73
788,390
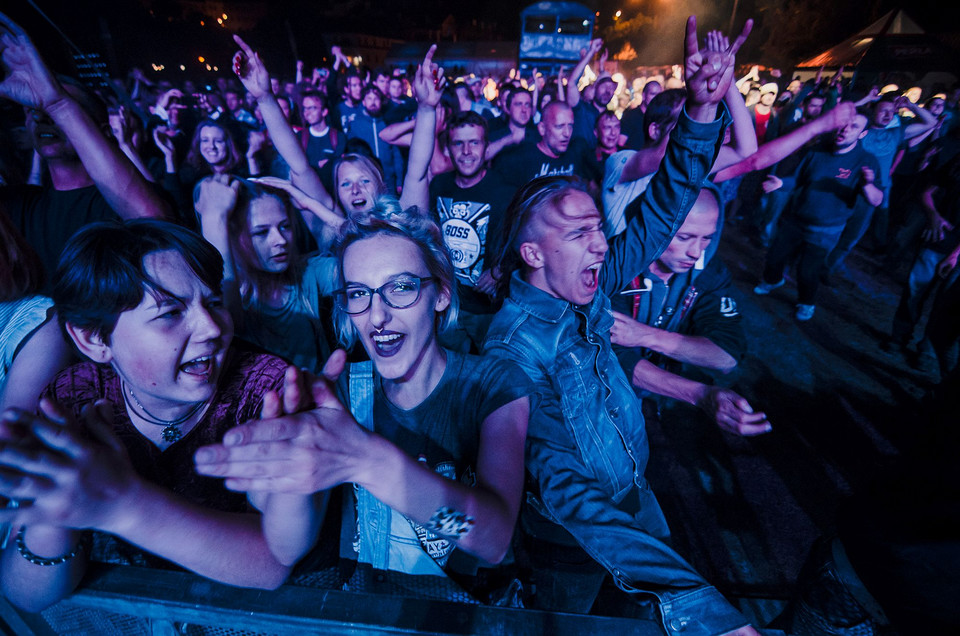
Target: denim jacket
x,y
586,441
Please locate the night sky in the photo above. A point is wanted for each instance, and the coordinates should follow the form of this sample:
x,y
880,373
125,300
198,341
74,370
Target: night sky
x,y
141,32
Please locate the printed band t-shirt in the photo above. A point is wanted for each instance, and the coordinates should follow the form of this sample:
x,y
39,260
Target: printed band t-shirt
x,y
471,220
443,431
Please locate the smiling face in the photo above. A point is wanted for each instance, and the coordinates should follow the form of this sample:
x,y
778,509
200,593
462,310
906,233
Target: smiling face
x,y
567,248
608,131
213,145
401,342
271,234
313,110
690,241
356,187
467,149
170,349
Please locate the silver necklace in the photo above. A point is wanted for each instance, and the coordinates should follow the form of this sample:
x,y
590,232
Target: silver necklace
x,y
171,428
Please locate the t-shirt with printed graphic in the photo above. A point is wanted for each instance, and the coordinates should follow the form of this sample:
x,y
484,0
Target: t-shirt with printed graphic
x,y
525,162
471,220
443,431
829,186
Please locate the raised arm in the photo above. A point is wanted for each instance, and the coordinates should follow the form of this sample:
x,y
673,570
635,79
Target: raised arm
x,y
253,74
215,199
428,86
927,119
781,147
28,81
655,216
743,136
573,92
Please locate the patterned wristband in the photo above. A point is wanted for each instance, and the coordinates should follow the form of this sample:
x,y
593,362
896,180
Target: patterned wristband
x,y
39,560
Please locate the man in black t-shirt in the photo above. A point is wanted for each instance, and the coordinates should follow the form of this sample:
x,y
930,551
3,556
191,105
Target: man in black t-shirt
x,y
470,203
834,183
556,154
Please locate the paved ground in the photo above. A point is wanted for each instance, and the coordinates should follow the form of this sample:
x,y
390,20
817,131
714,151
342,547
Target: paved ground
x,y
745,511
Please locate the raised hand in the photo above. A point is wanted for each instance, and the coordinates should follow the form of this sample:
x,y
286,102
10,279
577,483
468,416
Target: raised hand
x,y
26,79
251,70
164,100
161,138
68,479
839,116
216,196
428,82
708,73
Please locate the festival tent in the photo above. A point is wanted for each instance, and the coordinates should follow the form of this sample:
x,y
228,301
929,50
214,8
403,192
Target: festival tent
x,y
893,43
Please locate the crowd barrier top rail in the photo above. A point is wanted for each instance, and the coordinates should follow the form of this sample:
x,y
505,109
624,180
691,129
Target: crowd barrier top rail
x,y
127,600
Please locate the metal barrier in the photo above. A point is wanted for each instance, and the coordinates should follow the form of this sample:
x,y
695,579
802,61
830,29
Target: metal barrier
x,y
128,601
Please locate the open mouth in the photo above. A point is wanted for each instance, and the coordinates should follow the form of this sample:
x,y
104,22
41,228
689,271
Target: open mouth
x,y
387,344
358,204
201,367
591,276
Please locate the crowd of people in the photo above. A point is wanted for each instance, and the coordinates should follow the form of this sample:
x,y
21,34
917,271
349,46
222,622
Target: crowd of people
x,y
186,275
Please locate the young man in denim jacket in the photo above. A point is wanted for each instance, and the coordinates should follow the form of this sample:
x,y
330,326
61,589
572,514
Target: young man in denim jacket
x,y
587,446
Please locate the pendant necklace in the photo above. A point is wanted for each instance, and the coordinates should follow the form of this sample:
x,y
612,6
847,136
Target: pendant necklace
x,y
171,428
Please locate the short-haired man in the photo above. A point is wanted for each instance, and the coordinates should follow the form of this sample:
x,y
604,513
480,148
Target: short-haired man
x,y
884,135
367,126
517,128
632,121
470,203
556,154
779,184
350,106
834,184
589,503
402,106
607,131
682,311
319,141
585,113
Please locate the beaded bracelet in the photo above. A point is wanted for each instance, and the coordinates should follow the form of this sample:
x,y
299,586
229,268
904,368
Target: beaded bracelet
x,y
39,560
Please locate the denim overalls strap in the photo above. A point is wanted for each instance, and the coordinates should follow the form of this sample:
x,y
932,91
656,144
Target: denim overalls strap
x,y
381,537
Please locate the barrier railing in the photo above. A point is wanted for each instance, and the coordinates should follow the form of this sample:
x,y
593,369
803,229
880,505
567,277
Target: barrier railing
x,y
129,600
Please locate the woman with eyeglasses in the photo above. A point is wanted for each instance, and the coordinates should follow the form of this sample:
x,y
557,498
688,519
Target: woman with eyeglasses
x,y
437,456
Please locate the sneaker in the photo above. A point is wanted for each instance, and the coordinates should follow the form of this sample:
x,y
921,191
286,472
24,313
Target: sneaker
x,y
805,312
765,288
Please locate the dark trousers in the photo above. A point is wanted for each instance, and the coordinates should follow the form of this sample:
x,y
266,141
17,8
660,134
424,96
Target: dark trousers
x,y
787,244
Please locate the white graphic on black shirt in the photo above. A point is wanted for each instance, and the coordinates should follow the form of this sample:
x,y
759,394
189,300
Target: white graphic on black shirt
x,y
464,225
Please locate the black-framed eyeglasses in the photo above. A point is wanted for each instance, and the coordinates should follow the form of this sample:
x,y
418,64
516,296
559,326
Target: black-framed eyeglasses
x,y
399,293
